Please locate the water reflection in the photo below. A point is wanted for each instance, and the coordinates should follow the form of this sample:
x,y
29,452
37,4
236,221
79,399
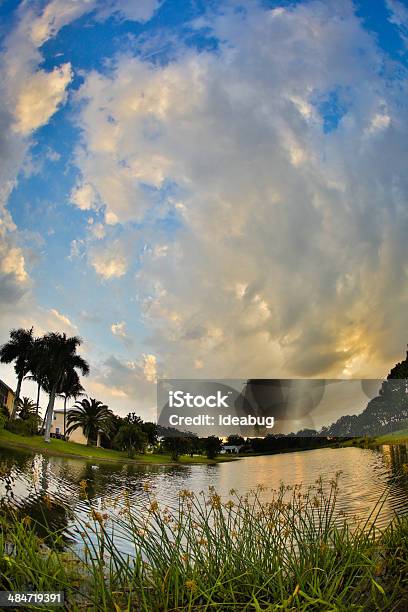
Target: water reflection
x,y
49,487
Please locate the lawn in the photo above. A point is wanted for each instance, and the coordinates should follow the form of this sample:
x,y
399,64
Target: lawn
x,y
397,437
60,447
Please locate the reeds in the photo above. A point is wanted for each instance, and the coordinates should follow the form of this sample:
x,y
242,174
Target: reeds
x,y
283,550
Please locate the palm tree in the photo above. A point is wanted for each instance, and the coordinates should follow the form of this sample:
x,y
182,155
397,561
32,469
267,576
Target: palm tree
x,y
25,407
59,358
71,388
37,368
19,349
92,416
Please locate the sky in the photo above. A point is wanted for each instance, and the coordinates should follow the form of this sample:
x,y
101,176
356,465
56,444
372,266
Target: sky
x,y
205,189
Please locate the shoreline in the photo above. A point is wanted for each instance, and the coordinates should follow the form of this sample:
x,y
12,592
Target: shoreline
x,y
14,443
11,440
397,437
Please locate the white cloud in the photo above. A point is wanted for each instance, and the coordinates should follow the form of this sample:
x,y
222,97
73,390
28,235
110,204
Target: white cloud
x,y
150,367
58,13
39,98
109,262
84,197
62,320
379,122
119,329
127,386
141,11
98,231
398,12
13,263
399,17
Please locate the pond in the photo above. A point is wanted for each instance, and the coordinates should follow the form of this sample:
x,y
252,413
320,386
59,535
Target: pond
x,y
30,482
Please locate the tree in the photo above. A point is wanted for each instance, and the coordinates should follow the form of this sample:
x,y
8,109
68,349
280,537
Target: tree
x,y
38,368
59,358
133,418
150,430
70,388
131,438
18,349
235,440
176,446
115,424
92,416
400,370
212,446
25,407
193,445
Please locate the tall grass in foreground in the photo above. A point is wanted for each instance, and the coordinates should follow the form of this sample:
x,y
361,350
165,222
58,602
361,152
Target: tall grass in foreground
x,y
281,550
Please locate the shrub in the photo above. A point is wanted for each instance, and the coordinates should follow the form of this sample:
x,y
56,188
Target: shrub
x,y
212,446
130,438
4,416
176,446
24,427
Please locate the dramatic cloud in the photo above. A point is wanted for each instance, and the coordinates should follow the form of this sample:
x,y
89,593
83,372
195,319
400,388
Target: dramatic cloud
x,y
244,209
290,234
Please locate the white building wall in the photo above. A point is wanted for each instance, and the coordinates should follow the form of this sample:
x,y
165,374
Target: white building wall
x,y
57,426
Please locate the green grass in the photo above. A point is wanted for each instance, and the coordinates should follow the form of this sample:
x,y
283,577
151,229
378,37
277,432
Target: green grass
x,y
396,437
206,553
60,447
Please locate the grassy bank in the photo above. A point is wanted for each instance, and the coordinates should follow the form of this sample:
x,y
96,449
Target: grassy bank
x,y
396,437
72,449
209,553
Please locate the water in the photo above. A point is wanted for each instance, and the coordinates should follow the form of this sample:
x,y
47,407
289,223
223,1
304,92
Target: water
x,y
30,482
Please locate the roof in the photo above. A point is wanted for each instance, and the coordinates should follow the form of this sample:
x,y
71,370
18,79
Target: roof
x,y
226,446
61,410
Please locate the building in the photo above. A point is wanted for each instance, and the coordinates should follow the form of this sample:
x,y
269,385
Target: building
x,y
231,449
7,396
57,428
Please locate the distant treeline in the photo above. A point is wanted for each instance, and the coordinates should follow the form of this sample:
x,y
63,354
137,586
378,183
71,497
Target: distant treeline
x,y
385,413
274,443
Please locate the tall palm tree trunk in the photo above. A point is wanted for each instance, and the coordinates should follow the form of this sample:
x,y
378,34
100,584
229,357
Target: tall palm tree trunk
x,y
16,397
37,407
48,416
65,413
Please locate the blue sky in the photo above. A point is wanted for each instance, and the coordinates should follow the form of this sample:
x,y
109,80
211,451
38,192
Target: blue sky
x,y
206,189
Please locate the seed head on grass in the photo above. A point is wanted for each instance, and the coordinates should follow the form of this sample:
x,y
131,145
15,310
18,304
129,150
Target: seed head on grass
x,y
191,585
48,501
